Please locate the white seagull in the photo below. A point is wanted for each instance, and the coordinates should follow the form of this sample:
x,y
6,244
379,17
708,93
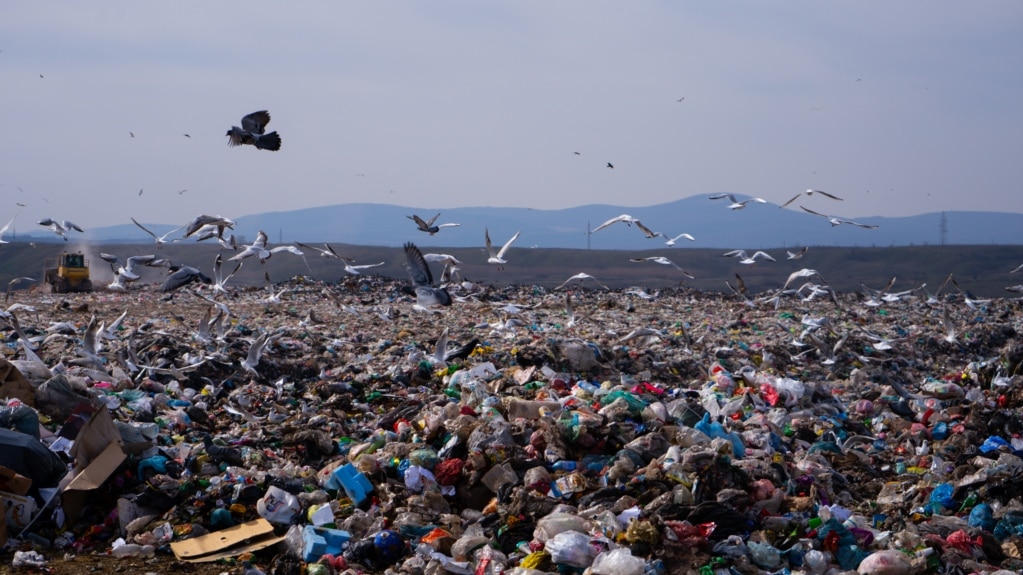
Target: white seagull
x,y
4,229
811,192
258,248
672,241
126,269
797,255
160,240
629,220
498,258
748,260
663,261
736,204
60,228
204,220
580,277
836,221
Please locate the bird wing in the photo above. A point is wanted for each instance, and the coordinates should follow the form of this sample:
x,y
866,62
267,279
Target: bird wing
x,y
69,225
433,219
647,231
614,220
441,347
448,225
144,228
823,193
260,240
490,247
809,211
794,198
764,254
418,269
508,244
110,258
719,196
736,254
419,221
256,122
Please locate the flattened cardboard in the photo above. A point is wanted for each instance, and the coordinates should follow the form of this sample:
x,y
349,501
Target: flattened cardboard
x,y
242,538
14,384
13,482
18,510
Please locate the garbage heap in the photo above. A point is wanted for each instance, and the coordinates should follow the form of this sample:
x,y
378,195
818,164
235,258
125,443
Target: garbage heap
x,y
542,452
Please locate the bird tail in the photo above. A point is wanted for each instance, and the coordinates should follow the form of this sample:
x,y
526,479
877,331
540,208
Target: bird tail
x,y
269,141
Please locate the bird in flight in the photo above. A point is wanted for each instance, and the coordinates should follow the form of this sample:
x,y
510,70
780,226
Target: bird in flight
x,y
498,258
252,133
811,192
748,260
736,204
836,221
427,225
610,165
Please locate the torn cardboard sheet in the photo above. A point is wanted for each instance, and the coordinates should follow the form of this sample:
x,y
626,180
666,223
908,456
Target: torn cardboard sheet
x,y
243,538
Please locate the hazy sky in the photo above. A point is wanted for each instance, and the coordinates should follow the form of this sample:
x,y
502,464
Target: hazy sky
x,y
899,107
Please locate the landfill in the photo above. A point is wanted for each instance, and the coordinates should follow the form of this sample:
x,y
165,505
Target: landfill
x,y
339,428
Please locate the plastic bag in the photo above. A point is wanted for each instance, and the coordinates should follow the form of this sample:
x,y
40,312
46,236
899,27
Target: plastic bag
x,y
278,506
617,562
570,548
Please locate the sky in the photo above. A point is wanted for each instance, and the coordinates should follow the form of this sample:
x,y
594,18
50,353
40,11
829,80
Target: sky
x,y
899,108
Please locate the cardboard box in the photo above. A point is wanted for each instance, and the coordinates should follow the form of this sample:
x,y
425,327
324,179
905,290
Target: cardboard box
x,y
243,538
18,510
12,482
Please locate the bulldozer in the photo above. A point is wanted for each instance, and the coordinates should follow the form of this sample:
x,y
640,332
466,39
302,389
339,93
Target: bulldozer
x,y
69,272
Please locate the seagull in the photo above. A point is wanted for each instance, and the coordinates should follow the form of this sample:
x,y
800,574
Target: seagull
x,y
950,328
836,221
183,276
126,269
219,279
326,252
427,296
251,132
498,258
797,255
258,248
60,228
160,240
427,225
446,259
14,282
580,277
663,261
201,221
355,270
744,259
629,220
811,192
610,165
803,273
672,241
251,360
4,229
736,204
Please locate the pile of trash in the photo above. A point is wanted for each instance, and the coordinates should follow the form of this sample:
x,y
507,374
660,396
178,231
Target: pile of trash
x,y
680,432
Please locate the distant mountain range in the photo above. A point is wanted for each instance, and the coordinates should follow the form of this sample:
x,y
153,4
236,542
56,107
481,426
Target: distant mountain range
x,y
710,222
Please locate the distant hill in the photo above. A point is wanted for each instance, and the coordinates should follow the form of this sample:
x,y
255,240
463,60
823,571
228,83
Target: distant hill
x,y
758,226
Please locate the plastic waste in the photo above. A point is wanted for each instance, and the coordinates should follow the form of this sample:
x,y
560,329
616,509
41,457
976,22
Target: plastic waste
x,y
278,506
618,562
570,548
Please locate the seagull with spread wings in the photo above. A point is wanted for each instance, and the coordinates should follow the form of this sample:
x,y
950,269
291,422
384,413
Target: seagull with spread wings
x,y
498,257
427,296
427,225
580,277
60,228
836,221
748,260
160,240
253,133
736,204
664,262
811,192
